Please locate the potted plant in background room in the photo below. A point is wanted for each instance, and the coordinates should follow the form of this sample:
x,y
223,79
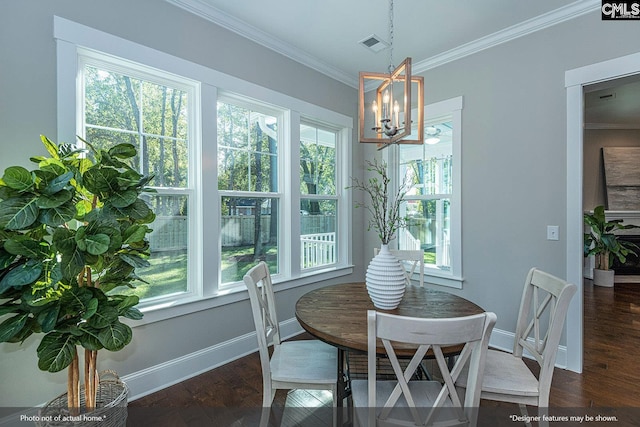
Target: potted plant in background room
x,y
385,277
602,243
73,230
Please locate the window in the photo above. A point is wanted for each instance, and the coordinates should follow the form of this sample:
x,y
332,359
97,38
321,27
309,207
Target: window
x,y
152,111
248,205
248,184
318,200
432,204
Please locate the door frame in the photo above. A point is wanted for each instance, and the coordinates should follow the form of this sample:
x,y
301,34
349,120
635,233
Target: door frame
x,y
575,80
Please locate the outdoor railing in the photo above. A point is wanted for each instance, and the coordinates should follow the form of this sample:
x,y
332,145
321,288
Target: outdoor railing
x,y
317,249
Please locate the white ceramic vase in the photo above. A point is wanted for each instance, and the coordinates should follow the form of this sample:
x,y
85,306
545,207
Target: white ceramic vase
x,y
385,280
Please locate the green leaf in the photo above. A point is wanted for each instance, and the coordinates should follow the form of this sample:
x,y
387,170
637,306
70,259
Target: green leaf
x,y
96,244
92,307
56,351
57,216
134,260
21,275
72,263
124,198
58,183
139,210
7,193
70,151
18,213
29,328
54,200
12,326
89,339
115,239
123,151
101,180
48,318
129,179
64,240
7,308
53,166
5,258
17,178
135,233
115,336
104,316
51,146
76,301
128,301
132,313
27,248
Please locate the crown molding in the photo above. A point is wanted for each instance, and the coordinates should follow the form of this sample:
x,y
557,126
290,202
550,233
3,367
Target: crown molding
x,y
549,19
212,14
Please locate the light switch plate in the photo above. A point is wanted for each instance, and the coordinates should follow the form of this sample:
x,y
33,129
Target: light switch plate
x,y
552,232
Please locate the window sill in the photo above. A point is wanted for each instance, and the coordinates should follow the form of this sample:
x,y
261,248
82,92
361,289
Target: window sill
x,y
435,277
180,307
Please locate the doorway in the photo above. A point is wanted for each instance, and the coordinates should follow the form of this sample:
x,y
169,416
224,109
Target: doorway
x,y
575,81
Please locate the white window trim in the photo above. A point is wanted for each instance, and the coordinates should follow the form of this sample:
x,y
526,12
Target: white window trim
x,y
71,36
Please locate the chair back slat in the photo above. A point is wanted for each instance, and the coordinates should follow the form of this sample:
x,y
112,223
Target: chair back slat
x,y
545,297
260,289
471,331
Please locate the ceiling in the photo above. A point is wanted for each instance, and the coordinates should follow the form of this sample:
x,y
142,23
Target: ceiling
x,y
325,35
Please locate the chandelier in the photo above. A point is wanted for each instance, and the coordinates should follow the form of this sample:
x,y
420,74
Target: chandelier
x,y
389,120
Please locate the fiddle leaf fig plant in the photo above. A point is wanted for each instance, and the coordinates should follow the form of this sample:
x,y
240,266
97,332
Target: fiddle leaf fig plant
x,y
602,242
71,231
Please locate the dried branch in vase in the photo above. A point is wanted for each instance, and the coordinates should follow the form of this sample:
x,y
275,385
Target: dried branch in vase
x,y
383,208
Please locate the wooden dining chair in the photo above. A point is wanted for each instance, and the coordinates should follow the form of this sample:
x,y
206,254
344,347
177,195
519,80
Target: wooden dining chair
x,y
415,259
299,364
543,310
406,401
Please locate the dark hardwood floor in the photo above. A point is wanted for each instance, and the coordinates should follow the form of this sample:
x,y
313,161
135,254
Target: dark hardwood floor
x,y
609,385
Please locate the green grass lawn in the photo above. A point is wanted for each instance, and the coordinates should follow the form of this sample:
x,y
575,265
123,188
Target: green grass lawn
x,y
167,273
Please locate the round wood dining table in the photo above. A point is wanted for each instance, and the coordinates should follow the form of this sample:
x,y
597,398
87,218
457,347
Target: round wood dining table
x,y
337,315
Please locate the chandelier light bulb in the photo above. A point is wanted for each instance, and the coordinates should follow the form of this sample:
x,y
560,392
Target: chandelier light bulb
x,y
396,110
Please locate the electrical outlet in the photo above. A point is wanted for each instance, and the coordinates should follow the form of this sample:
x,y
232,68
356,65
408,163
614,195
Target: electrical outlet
x,y
552,232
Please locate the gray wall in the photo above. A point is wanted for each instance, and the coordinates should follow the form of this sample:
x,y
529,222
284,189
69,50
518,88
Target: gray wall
x,y
28,109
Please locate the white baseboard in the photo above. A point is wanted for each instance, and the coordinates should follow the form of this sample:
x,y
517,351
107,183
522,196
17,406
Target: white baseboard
x,y
503,340
166,374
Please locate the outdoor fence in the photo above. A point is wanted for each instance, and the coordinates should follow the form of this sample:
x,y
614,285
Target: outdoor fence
x,y
317,249
170,233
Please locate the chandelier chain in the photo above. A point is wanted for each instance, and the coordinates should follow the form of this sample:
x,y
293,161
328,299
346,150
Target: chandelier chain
x,y
391,67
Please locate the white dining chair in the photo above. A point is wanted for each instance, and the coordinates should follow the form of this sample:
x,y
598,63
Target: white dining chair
x,y
406,401
543,309
298,364
415,259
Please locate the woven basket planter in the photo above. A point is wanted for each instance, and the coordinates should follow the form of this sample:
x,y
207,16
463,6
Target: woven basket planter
x,y
111,406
